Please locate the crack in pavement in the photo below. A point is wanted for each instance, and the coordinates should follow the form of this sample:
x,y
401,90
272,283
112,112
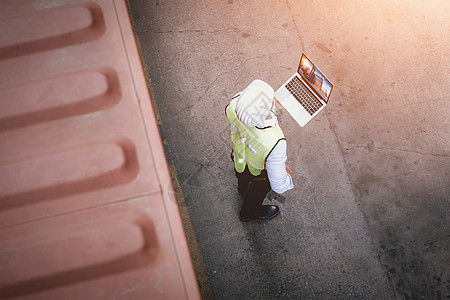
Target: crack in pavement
x,y
398,149
227,72
440,166
201,97
270,54
295,25
345,164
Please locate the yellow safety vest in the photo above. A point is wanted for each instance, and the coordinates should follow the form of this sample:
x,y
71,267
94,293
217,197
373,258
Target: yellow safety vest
x,y
251,145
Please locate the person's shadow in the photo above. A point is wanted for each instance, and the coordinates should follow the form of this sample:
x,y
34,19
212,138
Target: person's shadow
x,y
271,195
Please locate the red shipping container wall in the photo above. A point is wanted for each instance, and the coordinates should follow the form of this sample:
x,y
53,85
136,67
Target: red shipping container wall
x,y
86,202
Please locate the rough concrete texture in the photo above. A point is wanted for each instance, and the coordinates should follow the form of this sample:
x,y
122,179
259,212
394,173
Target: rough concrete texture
x,y
368,217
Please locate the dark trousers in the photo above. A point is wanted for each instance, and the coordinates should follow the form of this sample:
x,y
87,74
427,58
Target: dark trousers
x,y
252,188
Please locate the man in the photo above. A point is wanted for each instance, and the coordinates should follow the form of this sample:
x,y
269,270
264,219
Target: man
x,y
259,150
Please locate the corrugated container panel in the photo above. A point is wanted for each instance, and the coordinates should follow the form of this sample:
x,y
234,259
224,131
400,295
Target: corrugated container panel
x,y
86,201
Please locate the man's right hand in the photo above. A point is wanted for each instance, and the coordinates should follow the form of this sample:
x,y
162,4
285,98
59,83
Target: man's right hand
x,y
288,170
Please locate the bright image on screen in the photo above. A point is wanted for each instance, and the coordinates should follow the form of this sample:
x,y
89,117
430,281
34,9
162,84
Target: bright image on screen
x,y
313,75
306,67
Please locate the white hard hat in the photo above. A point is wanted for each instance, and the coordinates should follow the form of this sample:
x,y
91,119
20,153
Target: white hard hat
x,y
254,103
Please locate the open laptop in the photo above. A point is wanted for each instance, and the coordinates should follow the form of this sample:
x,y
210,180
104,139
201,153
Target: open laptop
x,y
305,93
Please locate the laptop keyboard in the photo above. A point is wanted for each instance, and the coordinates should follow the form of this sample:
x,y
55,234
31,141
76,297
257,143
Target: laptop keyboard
x,y
303,95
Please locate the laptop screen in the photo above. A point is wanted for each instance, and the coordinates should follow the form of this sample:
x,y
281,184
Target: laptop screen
x,y
315,78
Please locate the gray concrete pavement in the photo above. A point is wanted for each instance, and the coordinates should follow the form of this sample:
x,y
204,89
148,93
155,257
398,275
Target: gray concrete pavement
x,y
368,217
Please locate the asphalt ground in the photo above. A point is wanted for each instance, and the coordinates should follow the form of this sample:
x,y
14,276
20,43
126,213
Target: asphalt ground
x,y
368,217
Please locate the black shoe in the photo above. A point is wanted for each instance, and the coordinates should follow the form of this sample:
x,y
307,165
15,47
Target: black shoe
x,y
267,212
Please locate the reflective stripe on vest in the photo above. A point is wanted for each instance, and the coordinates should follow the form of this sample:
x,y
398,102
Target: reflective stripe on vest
x,y
251,145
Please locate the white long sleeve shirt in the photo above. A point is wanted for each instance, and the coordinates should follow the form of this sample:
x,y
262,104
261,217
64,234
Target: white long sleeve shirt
x,y
280,180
